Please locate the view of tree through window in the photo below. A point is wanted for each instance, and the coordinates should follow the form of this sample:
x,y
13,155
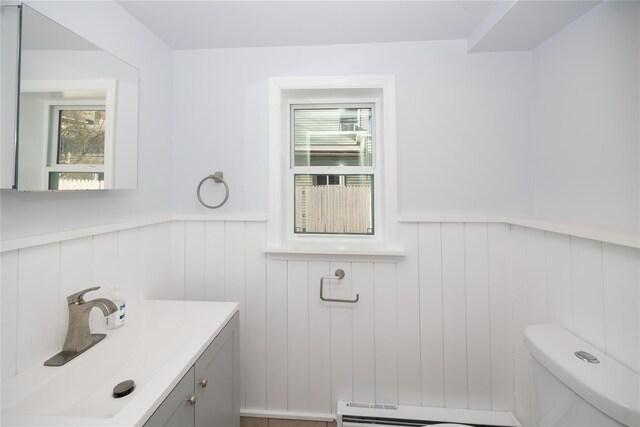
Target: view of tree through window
x,y
81,137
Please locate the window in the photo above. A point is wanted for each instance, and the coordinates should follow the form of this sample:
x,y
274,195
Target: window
x,y
326,139
76,147
332,165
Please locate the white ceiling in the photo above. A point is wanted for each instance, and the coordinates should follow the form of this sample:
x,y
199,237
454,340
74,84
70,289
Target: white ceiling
x,y
523,25
223,24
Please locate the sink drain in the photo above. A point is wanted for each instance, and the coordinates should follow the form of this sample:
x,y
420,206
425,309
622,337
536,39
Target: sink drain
x,y
123,389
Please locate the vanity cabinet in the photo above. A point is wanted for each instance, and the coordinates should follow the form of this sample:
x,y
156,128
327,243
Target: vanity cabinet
x,y
176,410
214,382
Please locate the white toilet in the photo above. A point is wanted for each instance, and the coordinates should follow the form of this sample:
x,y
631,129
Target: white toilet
x,y
592,390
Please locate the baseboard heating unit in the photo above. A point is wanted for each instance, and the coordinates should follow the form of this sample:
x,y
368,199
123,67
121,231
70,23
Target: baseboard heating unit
x,y
353,414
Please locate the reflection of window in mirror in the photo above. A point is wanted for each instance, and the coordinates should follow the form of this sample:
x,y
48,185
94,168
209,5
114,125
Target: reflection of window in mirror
x,y
76,147
66,135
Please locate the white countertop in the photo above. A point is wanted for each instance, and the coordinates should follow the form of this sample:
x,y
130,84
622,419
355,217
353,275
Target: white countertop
x,y
176,333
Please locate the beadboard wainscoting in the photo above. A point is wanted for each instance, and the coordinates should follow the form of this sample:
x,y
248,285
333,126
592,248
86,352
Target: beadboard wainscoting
x,y
441,326
36,281
591,288
406,341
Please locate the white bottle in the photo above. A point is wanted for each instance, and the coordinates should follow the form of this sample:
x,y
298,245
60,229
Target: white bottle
x,y
116,319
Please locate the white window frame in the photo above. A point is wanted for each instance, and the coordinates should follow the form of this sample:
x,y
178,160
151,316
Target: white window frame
x,y
285,92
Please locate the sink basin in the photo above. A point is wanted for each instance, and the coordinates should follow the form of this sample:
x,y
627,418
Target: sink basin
x,y
155,348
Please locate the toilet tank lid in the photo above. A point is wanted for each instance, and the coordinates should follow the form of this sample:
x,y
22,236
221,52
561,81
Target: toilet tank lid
x,y
609,386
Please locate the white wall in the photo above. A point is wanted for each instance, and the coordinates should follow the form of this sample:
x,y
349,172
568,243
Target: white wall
x,y
110,27
587,112
464,122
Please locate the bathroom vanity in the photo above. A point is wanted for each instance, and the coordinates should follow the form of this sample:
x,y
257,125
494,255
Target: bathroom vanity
x,y
182,356
209,388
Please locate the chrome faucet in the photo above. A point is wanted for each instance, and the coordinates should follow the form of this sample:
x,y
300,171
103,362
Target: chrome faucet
x,y
79,337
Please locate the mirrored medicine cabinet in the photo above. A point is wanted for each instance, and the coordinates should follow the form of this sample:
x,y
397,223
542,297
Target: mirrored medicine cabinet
x,y
69,109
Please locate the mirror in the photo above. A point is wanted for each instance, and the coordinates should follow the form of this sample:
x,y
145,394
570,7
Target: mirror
x,y
78,113
9,59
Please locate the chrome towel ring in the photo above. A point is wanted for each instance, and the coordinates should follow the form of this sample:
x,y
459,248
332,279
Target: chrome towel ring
x,y
219,178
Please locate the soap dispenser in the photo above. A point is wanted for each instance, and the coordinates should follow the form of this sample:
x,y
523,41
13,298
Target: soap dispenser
x,y
116,319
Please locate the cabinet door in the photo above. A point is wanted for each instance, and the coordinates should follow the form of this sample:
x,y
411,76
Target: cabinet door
x,y
217,380
176,410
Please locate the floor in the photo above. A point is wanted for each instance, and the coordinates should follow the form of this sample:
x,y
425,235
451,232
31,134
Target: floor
x,y
273,422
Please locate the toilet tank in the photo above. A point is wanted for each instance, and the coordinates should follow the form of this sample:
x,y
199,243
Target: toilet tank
x,y
568,391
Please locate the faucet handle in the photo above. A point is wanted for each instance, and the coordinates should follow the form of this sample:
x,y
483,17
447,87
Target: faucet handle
x,y
77,297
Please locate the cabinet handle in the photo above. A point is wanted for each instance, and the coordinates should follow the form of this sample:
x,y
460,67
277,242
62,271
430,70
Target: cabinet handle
x,y
204,383
192,400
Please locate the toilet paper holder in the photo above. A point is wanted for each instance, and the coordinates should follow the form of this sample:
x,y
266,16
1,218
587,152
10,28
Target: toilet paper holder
x,y
338,275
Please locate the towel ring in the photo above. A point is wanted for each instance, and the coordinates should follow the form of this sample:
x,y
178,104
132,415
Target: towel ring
x,y
219,178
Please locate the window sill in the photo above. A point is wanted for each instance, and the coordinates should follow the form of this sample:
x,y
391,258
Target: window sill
x,y
331,254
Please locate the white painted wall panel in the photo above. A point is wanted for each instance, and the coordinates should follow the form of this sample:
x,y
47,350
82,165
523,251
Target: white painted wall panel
x,y
501,314
234,282
276,335
214,260
76,265
478,317
129,265
341,334
535,291
105,261
38,304
298,335
386,333
177,230
586,282
521,363
255,312
194,261
408,293
431,315
559,279
9,313
155,263
320,342
454,316
104,273
621,269
364,375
